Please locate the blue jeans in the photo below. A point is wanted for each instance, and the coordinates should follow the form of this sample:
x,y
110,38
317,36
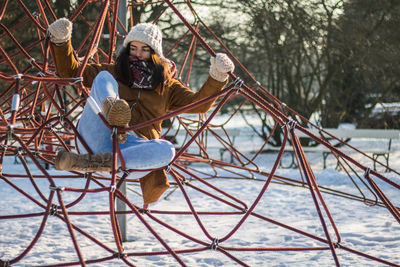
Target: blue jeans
x,y
138,153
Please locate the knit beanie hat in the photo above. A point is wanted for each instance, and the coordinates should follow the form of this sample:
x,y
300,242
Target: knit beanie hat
x,y
147,33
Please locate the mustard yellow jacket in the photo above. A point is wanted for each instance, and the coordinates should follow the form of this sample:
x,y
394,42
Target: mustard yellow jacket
x,y
149,105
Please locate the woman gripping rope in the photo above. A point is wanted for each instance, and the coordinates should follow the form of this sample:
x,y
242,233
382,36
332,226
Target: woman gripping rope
x,y
137,88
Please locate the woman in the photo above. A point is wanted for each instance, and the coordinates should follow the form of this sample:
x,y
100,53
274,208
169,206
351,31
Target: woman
x,y
137,88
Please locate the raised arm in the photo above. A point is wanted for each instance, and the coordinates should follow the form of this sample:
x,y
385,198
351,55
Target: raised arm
x,y
181,95
67,64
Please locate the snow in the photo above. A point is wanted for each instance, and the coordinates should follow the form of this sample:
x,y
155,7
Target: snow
x,y
368,229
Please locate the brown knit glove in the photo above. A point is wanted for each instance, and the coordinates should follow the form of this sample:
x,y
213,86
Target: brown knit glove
x,y
220,66
60,31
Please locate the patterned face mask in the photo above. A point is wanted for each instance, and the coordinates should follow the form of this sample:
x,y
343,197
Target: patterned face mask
x,y
141,73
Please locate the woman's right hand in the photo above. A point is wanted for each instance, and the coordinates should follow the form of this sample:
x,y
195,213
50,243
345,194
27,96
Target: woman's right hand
x,y
60,31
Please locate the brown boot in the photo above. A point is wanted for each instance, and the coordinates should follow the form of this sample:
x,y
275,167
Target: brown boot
x,y
117,111
118,114
69,161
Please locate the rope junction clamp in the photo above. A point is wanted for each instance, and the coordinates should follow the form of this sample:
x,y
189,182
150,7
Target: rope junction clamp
x,y
214,244
144,211
18,76
18,151
119,255
125,172
41,74
168,168
56,188
367,172
291,123
76,80
10,132
114,131
53,210
237,84
62,116
31,60
113,188
337,245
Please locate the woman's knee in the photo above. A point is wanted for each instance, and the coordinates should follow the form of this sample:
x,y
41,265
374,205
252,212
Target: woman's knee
x,y
105,82
168,150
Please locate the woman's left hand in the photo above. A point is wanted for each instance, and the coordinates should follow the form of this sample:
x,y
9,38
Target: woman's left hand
x,y
220,66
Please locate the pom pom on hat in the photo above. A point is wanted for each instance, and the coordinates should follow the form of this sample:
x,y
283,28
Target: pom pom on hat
x,y
147,33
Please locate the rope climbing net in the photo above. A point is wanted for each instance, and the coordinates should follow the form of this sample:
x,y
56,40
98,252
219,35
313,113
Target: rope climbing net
x,y
38,116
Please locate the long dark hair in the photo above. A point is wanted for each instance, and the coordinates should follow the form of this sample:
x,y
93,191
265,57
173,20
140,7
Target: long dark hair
x,y
161,70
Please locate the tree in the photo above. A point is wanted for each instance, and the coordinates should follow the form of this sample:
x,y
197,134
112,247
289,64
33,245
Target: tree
x,y
290,46
367,37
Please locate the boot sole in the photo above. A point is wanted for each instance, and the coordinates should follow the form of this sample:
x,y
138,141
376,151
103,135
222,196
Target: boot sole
x,y
119,114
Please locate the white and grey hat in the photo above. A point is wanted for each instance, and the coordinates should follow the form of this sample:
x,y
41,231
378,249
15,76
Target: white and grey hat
x,y
147,33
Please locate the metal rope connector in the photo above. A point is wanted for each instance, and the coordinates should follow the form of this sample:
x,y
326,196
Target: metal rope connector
x,y
10,132
367,172
41,74
291,123
31,60
237,84
114,131
76,80
18,151
168,168
214,244
144,211
126,172
18,76
53,210
119,255
62,116
113,188
56,188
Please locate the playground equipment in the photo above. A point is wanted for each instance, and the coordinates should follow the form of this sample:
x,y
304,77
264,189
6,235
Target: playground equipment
x,y
38,116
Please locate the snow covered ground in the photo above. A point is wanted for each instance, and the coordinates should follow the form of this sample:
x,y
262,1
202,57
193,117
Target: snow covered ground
x,y
367,229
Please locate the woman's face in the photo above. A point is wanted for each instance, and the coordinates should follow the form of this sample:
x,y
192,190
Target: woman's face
x,y
139,49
